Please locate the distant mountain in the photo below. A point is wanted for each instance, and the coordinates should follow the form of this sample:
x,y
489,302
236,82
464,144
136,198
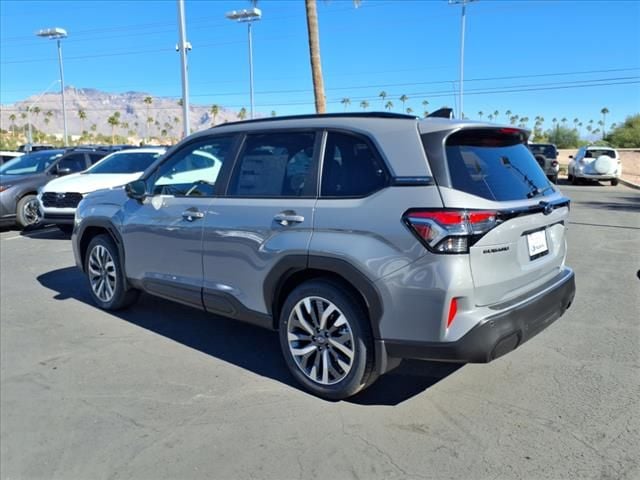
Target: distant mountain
x,y
99,105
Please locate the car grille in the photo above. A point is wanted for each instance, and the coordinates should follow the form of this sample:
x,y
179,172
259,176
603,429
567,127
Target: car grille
x,y
61,200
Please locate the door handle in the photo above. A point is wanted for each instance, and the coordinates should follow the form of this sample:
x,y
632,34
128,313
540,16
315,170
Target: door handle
x,y
191,215
288,217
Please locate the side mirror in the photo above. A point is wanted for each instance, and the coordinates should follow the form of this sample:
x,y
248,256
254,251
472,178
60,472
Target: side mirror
x,y
63,171
136,189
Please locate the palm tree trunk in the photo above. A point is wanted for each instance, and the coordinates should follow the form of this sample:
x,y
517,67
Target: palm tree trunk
x,y
314,54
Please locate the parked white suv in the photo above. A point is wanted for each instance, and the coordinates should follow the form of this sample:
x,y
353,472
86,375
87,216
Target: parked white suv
x,y
595,163
59,198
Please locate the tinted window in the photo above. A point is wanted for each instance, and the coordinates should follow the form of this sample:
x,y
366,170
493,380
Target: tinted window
x,y
598,153
95,157
193,170
128,162
494,165
31,163
74,162
351,168
274,165
548,151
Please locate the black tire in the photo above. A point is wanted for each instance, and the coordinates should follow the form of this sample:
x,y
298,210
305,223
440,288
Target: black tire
x,y
361,373
569,178
614,182
554,179
66,229
575,180
25,216
123,296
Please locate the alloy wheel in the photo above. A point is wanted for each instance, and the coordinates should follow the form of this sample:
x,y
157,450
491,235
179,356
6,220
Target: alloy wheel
x,y
102,273
320,340
31,212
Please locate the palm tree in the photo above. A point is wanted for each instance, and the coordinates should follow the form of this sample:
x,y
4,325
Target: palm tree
x,y
490,117
604,113
82,115
273,113
495,115
563,120
575,123
508,113
364,104
125,127
163,132
409,110
589,128
383,95
388,105
346,102
114,121
215,110
403,99
242,114
314,55
513,119
425,113
148,101
12,119
579,128
480,113
425,103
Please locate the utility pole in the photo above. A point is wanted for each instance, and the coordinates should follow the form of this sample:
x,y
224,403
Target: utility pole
x,y
462,31
183,46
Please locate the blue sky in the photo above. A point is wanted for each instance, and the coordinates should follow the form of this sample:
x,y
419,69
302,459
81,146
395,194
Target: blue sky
x,y
401,47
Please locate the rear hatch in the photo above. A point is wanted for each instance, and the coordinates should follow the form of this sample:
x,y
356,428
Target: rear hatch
x,y
491,174
600,161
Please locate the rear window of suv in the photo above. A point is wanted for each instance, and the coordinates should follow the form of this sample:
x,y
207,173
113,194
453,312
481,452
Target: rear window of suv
x,y
593,153
494,164
549,151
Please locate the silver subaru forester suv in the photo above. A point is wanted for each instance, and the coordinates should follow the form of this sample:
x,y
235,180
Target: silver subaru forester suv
x,y
363,239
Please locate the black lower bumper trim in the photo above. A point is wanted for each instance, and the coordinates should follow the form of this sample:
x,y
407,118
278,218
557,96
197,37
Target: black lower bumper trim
x,y
59,218
499,334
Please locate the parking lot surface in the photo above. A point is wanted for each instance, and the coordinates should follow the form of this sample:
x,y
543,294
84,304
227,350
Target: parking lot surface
x,y
162,391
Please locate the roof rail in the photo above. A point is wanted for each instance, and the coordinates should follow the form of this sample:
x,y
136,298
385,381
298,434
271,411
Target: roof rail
x,y
325,115
442,113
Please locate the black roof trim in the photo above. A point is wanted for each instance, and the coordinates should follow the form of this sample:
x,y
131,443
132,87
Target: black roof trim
x,y
324,115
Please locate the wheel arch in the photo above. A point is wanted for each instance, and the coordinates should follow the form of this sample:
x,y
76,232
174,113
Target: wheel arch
x,y
98,226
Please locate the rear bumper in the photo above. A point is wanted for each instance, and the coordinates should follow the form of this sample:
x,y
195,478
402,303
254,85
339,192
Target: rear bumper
x,y
591,176
497,334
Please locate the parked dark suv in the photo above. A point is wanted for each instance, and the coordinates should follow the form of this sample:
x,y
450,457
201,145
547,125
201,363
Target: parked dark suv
x,y
20,179
363,238
546,154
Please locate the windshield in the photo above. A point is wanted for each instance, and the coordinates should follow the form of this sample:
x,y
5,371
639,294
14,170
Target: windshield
x,y
548,151
494,165
33,163
125,162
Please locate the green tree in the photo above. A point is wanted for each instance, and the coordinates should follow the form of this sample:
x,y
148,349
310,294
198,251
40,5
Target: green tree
x,y
12,119
626,135
148,101
242,114
403,99
114,121
409,110
563,137
82,115
480,113
495,115
508,113
346,102
364,104
425,104
604,113
490,117
383,95
215,110
388,105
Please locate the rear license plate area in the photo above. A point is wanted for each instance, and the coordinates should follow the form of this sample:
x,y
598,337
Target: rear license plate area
x,y
537,244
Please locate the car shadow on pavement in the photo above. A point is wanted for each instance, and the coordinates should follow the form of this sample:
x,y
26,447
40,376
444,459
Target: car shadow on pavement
x,y
621,204
246,346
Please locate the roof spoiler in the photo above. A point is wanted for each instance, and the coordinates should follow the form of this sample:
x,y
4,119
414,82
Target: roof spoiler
x,y
442,113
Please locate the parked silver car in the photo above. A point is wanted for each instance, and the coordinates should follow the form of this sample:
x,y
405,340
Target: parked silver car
x,y
595,162
362,238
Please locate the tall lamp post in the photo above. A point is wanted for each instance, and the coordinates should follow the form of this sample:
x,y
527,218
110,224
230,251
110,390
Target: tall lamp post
x,y
58,34
183,47
249,16
464,4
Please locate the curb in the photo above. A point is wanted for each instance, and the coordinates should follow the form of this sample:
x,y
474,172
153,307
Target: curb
x,y
629,184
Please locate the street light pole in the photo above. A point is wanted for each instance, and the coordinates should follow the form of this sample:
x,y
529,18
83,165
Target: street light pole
x,y
58,34
462,30
249,16
183,46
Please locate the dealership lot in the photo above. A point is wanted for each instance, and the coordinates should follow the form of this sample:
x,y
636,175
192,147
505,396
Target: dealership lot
x,y
165,391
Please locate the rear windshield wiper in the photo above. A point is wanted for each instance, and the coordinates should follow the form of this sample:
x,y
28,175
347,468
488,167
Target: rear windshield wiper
x,y
534,190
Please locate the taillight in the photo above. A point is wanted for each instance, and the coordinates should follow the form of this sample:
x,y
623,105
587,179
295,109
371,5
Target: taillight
x,y
450,231
453,309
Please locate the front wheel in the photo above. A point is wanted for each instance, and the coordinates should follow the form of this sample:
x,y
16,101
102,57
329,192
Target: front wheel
x,y
28,211
106,279
614,182
326,340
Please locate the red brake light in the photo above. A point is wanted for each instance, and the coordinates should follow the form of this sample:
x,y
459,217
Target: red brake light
x,y
453,309
509,131
450,231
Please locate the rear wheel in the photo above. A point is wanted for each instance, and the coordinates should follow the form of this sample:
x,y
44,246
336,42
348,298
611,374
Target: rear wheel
x,y
106,279
614,182
28,211
326,340
574,180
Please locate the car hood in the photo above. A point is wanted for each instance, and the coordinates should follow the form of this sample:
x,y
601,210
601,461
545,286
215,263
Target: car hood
x,y
21,179
89,182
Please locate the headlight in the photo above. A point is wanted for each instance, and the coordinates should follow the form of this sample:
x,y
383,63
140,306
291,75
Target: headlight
x,y
5,187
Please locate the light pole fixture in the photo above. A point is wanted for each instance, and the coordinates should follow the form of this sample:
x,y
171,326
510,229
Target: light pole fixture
x,y
184,46
58,34
464,4
248,16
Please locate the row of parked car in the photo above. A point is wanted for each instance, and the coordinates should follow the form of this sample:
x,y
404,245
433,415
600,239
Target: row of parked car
x,y
47,184
592,162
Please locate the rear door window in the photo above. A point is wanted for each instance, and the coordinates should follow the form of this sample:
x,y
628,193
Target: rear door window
x,y
75,162
494,164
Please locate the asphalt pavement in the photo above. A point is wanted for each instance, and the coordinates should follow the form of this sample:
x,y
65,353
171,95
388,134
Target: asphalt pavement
x,y
162,391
